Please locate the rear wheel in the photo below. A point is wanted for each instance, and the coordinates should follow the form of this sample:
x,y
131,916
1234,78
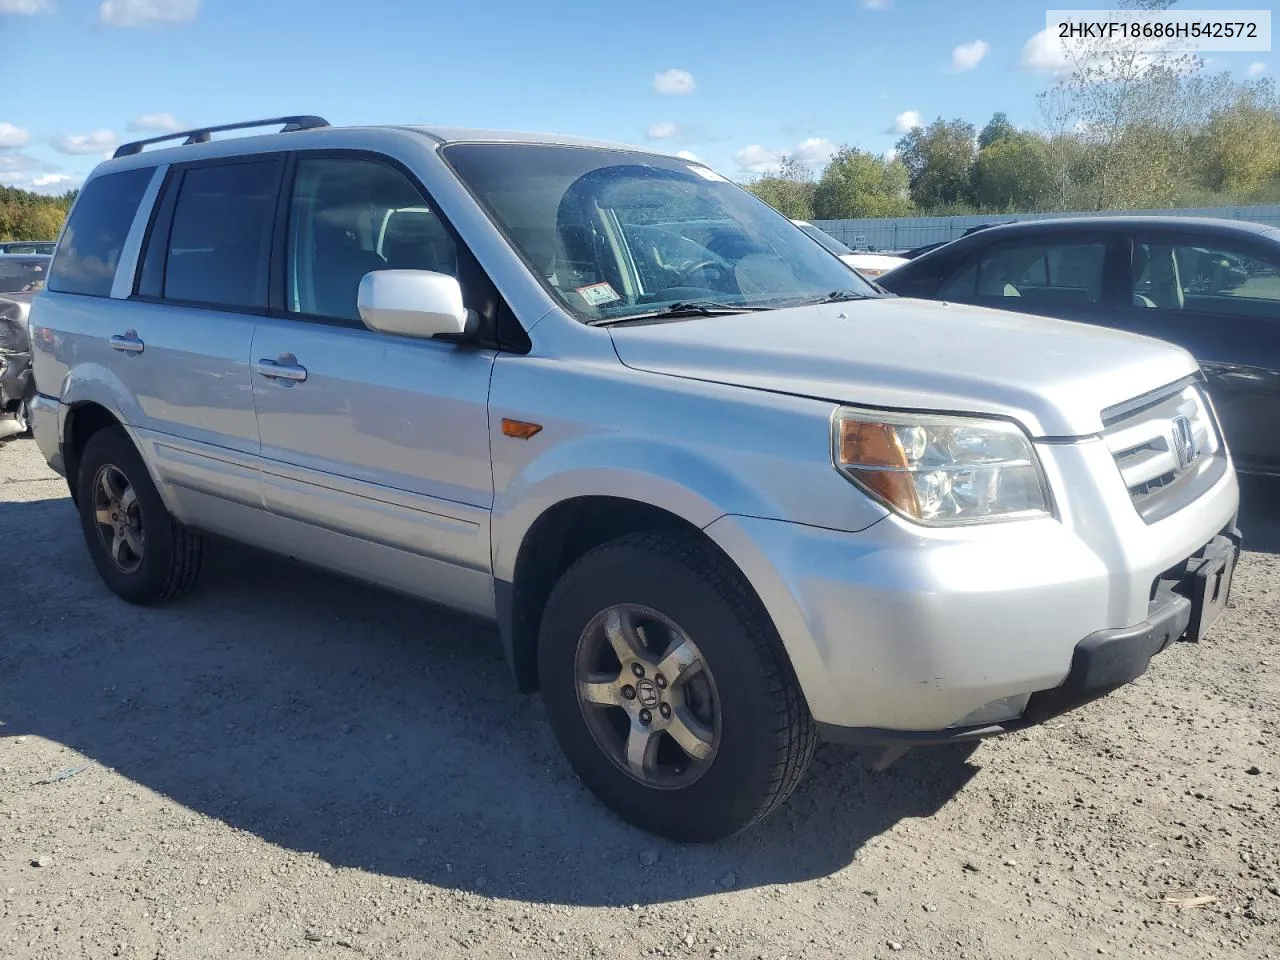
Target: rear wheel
x,y
141,552
669,690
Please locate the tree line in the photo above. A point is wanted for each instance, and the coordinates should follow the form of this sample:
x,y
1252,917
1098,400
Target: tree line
x,y
32,216
1125,130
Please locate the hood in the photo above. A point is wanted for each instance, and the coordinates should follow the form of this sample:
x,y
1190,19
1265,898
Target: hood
x,y
1053,376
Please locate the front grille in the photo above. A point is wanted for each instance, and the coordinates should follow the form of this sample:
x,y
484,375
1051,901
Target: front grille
x,y
1167,447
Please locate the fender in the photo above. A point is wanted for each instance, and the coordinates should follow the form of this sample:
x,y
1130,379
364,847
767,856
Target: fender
x,y
672,477
95,383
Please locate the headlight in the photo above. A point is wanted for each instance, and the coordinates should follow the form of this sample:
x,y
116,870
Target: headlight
x,y
941,470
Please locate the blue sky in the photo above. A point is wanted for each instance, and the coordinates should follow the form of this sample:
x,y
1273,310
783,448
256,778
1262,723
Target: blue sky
x,y
733,83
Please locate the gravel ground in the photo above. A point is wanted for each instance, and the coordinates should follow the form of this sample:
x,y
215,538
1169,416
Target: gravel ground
x,y
288,765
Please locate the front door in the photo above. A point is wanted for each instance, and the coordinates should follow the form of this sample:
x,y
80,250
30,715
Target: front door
x,y
1219,299
375,448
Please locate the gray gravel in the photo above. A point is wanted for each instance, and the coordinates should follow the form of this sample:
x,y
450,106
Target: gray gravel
x,y
289,765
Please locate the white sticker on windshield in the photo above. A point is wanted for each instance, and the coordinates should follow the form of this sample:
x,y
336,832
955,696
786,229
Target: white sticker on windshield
x,y
598,294
706,173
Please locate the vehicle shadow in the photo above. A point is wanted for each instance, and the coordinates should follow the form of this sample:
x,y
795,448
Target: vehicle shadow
x,y
1260,513
376,732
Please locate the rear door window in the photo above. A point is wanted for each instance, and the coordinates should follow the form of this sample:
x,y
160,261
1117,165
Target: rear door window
x,y
1208,278
219,244
94,236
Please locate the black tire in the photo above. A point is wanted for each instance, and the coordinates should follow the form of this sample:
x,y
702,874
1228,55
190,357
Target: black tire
x,y
766,734
171,556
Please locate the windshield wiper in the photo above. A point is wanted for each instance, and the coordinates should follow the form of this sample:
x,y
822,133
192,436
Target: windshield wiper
x,y
682,308
841,296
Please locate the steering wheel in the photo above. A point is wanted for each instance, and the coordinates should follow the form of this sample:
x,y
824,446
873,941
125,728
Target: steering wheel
x,y
684,273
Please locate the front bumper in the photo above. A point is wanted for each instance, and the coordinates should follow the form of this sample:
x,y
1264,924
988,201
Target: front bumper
x,y
1185,605
928,634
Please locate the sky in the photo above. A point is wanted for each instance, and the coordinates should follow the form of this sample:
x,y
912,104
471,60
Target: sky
x,y
734,84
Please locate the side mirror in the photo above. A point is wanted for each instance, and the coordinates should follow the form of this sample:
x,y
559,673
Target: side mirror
x,y
412,303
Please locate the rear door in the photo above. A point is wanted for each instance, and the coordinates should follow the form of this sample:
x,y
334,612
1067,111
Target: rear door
x,y
200,290
375,448
166,345
1219,297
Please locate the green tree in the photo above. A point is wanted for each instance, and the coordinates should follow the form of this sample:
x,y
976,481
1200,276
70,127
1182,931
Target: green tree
x,y
860,184
938,158
789,191
39,222
998,128
1238,149
32,216
1014,172
1131,108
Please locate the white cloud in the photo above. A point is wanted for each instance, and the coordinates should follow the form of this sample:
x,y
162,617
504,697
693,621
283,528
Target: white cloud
x,y
23,170
1257,69
50,184
27,7
674,82
50,179
815,152
13,162
890,155
756,159
906,121
143,13
82,143
12,137
154,123
1044,53
877,4
689,155
969,55
662,131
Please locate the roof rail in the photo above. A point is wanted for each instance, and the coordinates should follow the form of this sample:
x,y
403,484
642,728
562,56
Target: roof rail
x,y
203,134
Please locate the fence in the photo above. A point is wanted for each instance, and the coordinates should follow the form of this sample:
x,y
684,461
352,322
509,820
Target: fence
x,y
903,233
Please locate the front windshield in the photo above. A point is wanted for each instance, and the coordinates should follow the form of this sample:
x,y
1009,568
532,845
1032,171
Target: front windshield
x,y
826,239
615,234
21,275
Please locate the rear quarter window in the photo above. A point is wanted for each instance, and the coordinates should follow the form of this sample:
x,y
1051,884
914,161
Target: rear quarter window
x,y
89,252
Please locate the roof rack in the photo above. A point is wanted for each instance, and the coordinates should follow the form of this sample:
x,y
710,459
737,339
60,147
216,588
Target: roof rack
x,y
203,134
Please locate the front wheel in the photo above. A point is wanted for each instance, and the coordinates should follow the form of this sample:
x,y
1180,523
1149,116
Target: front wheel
x,y
668,688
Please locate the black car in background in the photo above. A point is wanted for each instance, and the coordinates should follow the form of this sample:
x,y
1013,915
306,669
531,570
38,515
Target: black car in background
x,y
1211,286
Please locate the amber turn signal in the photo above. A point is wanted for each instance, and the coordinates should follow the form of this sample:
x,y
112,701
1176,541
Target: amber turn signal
x,y
873,452
520,429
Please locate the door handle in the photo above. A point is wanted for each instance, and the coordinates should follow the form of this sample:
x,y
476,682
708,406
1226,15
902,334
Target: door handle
x,y
286,368
127,342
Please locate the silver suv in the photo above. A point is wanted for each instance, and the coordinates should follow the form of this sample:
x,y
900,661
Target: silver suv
x,y
722,496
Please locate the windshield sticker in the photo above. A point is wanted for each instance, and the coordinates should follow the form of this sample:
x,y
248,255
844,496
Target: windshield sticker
x,y
598,294
706,173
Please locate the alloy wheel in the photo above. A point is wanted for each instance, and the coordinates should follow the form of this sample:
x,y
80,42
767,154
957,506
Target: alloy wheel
x,y
648,696
115,508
